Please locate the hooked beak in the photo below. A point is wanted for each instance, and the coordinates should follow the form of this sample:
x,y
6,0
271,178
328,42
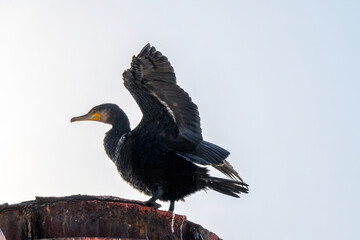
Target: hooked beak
x,y
86,117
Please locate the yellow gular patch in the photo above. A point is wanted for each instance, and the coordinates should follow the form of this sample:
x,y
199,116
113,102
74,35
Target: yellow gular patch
x,y
95,117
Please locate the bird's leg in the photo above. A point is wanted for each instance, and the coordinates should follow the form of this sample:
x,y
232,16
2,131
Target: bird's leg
x,y
152,201
172,206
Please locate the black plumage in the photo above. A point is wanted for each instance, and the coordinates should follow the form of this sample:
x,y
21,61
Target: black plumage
x,y
161,157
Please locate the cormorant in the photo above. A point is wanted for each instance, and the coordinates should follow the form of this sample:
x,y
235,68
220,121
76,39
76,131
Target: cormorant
x,y
163,156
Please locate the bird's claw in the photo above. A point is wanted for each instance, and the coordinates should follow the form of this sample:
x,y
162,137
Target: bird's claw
x,y
152,204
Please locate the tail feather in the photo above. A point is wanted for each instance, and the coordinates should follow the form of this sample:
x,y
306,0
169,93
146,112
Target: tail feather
x,y
228,187
214,154
207,153
228,170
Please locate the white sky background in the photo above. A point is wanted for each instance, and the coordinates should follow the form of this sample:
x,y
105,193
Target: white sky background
x,y
276,83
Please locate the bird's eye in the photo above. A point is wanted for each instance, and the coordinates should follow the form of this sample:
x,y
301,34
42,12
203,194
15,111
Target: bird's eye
x,y
93,111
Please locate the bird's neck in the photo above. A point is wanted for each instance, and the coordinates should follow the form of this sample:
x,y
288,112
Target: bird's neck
x,y
120,128
112,141
120,124
112,138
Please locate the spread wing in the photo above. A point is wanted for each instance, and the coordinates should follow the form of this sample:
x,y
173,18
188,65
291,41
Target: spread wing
x,y
166,107
170,120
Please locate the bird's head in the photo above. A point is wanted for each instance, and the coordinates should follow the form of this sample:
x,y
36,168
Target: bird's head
x,y
107,113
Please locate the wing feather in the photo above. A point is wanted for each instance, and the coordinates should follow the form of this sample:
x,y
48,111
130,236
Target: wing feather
x,y
169,113
152,82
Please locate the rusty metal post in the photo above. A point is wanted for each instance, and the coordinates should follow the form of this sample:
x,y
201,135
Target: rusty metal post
x,y
91,217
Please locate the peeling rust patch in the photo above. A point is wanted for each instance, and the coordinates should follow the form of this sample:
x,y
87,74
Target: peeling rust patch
x,y
104,217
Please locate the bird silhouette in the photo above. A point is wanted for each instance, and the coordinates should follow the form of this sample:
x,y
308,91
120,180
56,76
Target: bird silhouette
x,y
165,156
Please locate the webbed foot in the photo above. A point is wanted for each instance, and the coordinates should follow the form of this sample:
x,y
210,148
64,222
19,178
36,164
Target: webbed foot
x,y
152,201
152,204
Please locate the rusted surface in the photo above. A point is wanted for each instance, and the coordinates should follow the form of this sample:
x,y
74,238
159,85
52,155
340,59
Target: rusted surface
x,y
86,217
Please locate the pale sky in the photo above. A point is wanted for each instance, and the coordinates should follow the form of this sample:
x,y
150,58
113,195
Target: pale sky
x,y
277,84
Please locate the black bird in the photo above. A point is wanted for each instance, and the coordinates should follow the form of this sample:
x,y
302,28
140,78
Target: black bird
x,y
161,156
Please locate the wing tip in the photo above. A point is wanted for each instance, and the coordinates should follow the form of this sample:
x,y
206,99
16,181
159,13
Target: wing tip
x,y
145,50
